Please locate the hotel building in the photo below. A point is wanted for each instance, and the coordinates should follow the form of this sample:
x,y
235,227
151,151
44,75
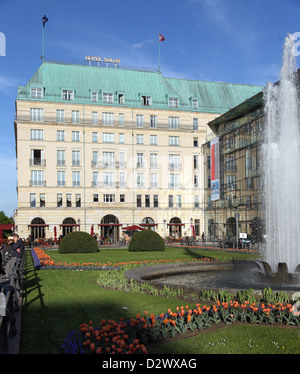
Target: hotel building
x,y
102,147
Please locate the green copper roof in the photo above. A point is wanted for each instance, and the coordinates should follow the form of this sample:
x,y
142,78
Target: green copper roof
x,y
214,97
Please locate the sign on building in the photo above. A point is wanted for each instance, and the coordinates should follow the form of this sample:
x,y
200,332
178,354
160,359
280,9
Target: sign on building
x,y
215,171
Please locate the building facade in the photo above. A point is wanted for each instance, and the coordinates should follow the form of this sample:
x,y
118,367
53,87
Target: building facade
x,y
238,207
101,148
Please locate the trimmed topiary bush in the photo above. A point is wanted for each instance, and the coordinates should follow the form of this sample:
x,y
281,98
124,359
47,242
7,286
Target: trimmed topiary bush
x,y
146,240
78,242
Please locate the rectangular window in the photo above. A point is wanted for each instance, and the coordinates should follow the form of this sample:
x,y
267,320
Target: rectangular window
x,y
95,158
139,120
37,178
139,201
108,137
153,121
196,161
196,180
196,201
94,96
195,104
174,122
108,119
121,119
147,201
75,136
108,98
171,202
153,161
32,200
95,178
122,179
140,180
174,162
94,118
95,137
61,178
146,100
174,180
153,139
109,159
174,141
36,134
153,180
76,178
69,200
196,142
60,116
122,198
60,136
140,139
36,93
75,158
37,157
155,201
42,200
59,200
78,200
68,95
121,99
95,198
109,198
179,205
75,116
173,102
60,157
109,179
121,138
36,114
195,124
140,160
231,182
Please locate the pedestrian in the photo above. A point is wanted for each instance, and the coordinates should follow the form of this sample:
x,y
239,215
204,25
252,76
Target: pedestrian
x,y
17,251
203,237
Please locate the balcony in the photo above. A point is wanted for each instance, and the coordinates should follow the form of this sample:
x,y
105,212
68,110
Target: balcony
x,y
37,161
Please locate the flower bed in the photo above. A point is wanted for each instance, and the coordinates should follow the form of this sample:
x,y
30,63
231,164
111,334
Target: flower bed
x,y
132,336
47,263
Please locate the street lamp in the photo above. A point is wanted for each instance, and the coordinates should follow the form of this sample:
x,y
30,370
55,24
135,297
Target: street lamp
x,y
78,222
191,220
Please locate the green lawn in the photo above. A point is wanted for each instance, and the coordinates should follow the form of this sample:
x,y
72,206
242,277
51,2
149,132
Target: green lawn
x,y
58,301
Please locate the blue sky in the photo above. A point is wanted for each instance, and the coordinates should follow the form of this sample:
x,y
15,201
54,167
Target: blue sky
x,y
238,41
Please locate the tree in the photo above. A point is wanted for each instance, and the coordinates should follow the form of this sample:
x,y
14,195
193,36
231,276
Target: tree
x,y
4,218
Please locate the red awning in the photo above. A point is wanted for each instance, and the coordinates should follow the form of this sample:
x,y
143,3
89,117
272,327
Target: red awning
x,y
132,228
148,224
176,224
38,225
109,224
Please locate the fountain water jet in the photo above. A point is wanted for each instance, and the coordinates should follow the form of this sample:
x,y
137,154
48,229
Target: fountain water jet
x,y
281,168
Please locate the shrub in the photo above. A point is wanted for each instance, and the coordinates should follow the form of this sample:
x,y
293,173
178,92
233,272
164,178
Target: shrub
x,y
146,240
78,242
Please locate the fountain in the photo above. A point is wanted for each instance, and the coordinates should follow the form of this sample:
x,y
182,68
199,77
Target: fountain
x,y
280,156
281,174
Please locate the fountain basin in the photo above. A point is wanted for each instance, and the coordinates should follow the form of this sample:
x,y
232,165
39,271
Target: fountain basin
x,y
231,276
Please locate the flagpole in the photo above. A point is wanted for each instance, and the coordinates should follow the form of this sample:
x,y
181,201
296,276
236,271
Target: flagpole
x,y
158,54
43,54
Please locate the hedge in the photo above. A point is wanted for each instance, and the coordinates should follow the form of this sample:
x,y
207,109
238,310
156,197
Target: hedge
x,y
78,242
146,240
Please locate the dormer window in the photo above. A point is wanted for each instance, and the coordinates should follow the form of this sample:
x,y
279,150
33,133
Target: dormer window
x,y
108,98
68,95
146,100
173,102
36,93
94,96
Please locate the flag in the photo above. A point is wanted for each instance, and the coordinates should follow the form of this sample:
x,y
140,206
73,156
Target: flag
x,y
161,38
44,19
